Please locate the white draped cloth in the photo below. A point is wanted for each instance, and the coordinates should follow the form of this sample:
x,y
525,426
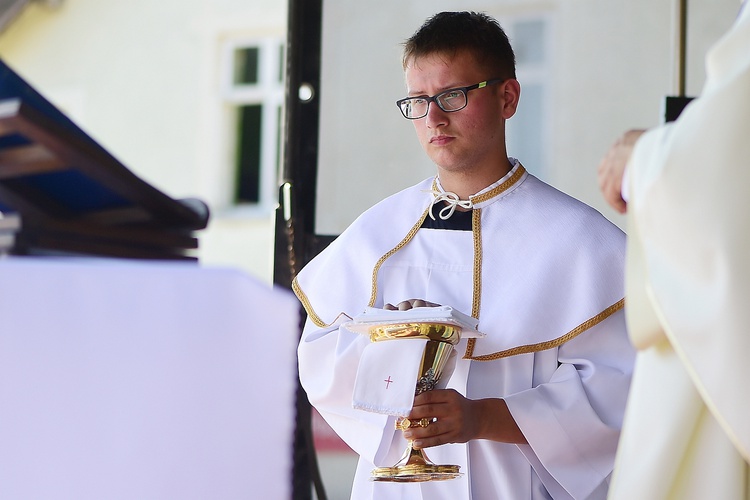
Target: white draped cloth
x,y
687,425
542,273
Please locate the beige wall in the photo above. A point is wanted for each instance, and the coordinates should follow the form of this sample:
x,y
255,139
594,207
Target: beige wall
x,y
143,78
611,64
615,67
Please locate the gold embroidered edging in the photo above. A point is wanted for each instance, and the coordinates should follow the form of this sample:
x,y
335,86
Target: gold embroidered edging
x,y
306,304
476,299
543,346
501,188
476,225
309,309
407,239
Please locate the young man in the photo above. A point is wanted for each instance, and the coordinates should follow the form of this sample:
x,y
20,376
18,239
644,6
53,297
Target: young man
x,y
533,409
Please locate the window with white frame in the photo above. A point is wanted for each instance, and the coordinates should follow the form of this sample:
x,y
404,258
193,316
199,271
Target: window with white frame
x,y
254,93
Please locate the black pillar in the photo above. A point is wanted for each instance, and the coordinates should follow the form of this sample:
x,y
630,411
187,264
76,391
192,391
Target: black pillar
x,y
295,216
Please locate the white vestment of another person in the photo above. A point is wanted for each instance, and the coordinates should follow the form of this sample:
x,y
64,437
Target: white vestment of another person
x,y
687,424
542,272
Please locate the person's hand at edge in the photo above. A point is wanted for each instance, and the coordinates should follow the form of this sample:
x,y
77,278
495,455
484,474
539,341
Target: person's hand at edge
x,y
612,168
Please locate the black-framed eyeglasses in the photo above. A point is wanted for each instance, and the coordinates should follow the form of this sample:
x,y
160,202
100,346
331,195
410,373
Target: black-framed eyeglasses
x,y
449,100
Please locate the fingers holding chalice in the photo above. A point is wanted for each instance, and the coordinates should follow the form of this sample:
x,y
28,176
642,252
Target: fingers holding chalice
x,y
403,423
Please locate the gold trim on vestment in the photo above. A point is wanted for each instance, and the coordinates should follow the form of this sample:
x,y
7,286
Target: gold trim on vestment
x,y
407,239
476,230
500,188
309,309
476,219
543,346
306,304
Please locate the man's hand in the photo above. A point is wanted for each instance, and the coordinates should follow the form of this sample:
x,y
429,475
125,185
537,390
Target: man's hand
x,y
409,304
612,168
456,419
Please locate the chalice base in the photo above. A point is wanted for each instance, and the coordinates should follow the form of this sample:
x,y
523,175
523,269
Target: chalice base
x,y
415,467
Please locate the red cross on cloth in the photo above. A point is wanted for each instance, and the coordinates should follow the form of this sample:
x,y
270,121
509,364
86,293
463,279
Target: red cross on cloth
x,y
385,374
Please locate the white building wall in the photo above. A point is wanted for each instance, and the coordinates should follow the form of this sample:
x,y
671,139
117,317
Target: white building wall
x,y
144,79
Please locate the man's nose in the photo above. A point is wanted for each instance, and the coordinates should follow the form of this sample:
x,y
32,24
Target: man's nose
x,y
435,116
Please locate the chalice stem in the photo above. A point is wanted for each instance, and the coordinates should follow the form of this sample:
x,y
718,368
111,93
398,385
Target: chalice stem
x,y
413,456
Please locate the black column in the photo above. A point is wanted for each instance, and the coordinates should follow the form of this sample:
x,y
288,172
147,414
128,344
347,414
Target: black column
x,y
295,216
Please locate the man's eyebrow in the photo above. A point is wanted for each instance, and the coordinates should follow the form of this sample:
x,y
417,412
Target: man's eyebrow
x,y
418,93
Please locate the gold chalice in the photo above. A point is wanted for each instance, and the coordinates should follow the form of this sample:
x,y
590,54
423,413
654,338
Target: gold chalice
x,y
414,466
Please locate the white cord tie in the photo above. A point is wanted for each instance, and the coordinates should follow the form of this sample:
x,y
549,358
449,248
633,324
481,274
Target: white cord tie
x,y
452,201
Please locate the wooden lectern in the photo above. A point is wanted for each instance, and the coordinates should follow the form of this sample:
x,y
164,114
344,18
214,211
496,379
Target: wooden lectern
x,y
63,193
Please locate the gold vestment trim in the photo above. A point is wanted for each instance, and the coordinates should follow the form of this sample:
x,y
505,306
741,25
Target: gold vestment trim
x,y
543,346
309,309
402,244
500,188
306,304
476,229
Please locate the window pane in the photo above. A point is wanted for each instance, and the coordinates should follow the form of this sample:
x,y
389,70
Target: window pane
x,y
525,138
528,42
248,153
246,65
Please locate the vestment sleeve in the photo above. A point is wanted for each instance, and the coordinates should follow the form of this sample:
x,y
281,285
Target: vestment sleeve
x,y
572,422
328,362
337,286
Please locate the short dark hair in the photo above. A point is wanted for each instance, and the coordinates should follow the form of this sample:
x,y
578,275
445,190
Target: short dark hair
x,y
450,32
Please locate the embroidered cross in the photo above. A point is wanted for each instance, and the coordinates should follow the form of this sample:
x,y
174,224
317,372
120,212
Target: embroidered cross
x,y
388,381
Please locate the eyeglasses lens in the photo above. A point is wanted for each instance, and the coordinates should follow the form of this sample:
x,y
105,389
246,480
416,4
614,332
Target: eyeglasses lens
x,y
414,108
451,100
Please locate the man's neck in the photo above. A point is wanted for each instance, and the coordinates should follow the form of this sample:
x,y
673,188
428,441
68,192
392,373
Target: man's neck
x,y
465,184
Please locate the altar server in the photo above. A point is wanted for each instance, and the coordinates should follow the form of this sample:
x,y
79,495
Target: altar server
x,y
532,410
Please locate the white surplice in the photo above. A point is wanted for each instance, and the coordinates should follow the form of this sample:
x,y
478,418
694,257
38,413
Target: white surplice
x,y
542,272
687,426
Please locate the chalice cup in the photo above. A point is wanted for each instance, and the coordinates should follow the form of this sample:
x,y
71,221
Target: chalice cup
x,y
414,466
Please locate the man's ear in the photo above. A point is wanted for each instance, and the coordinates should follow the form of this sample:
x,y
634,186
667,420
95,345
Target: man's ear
x,y
510,93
